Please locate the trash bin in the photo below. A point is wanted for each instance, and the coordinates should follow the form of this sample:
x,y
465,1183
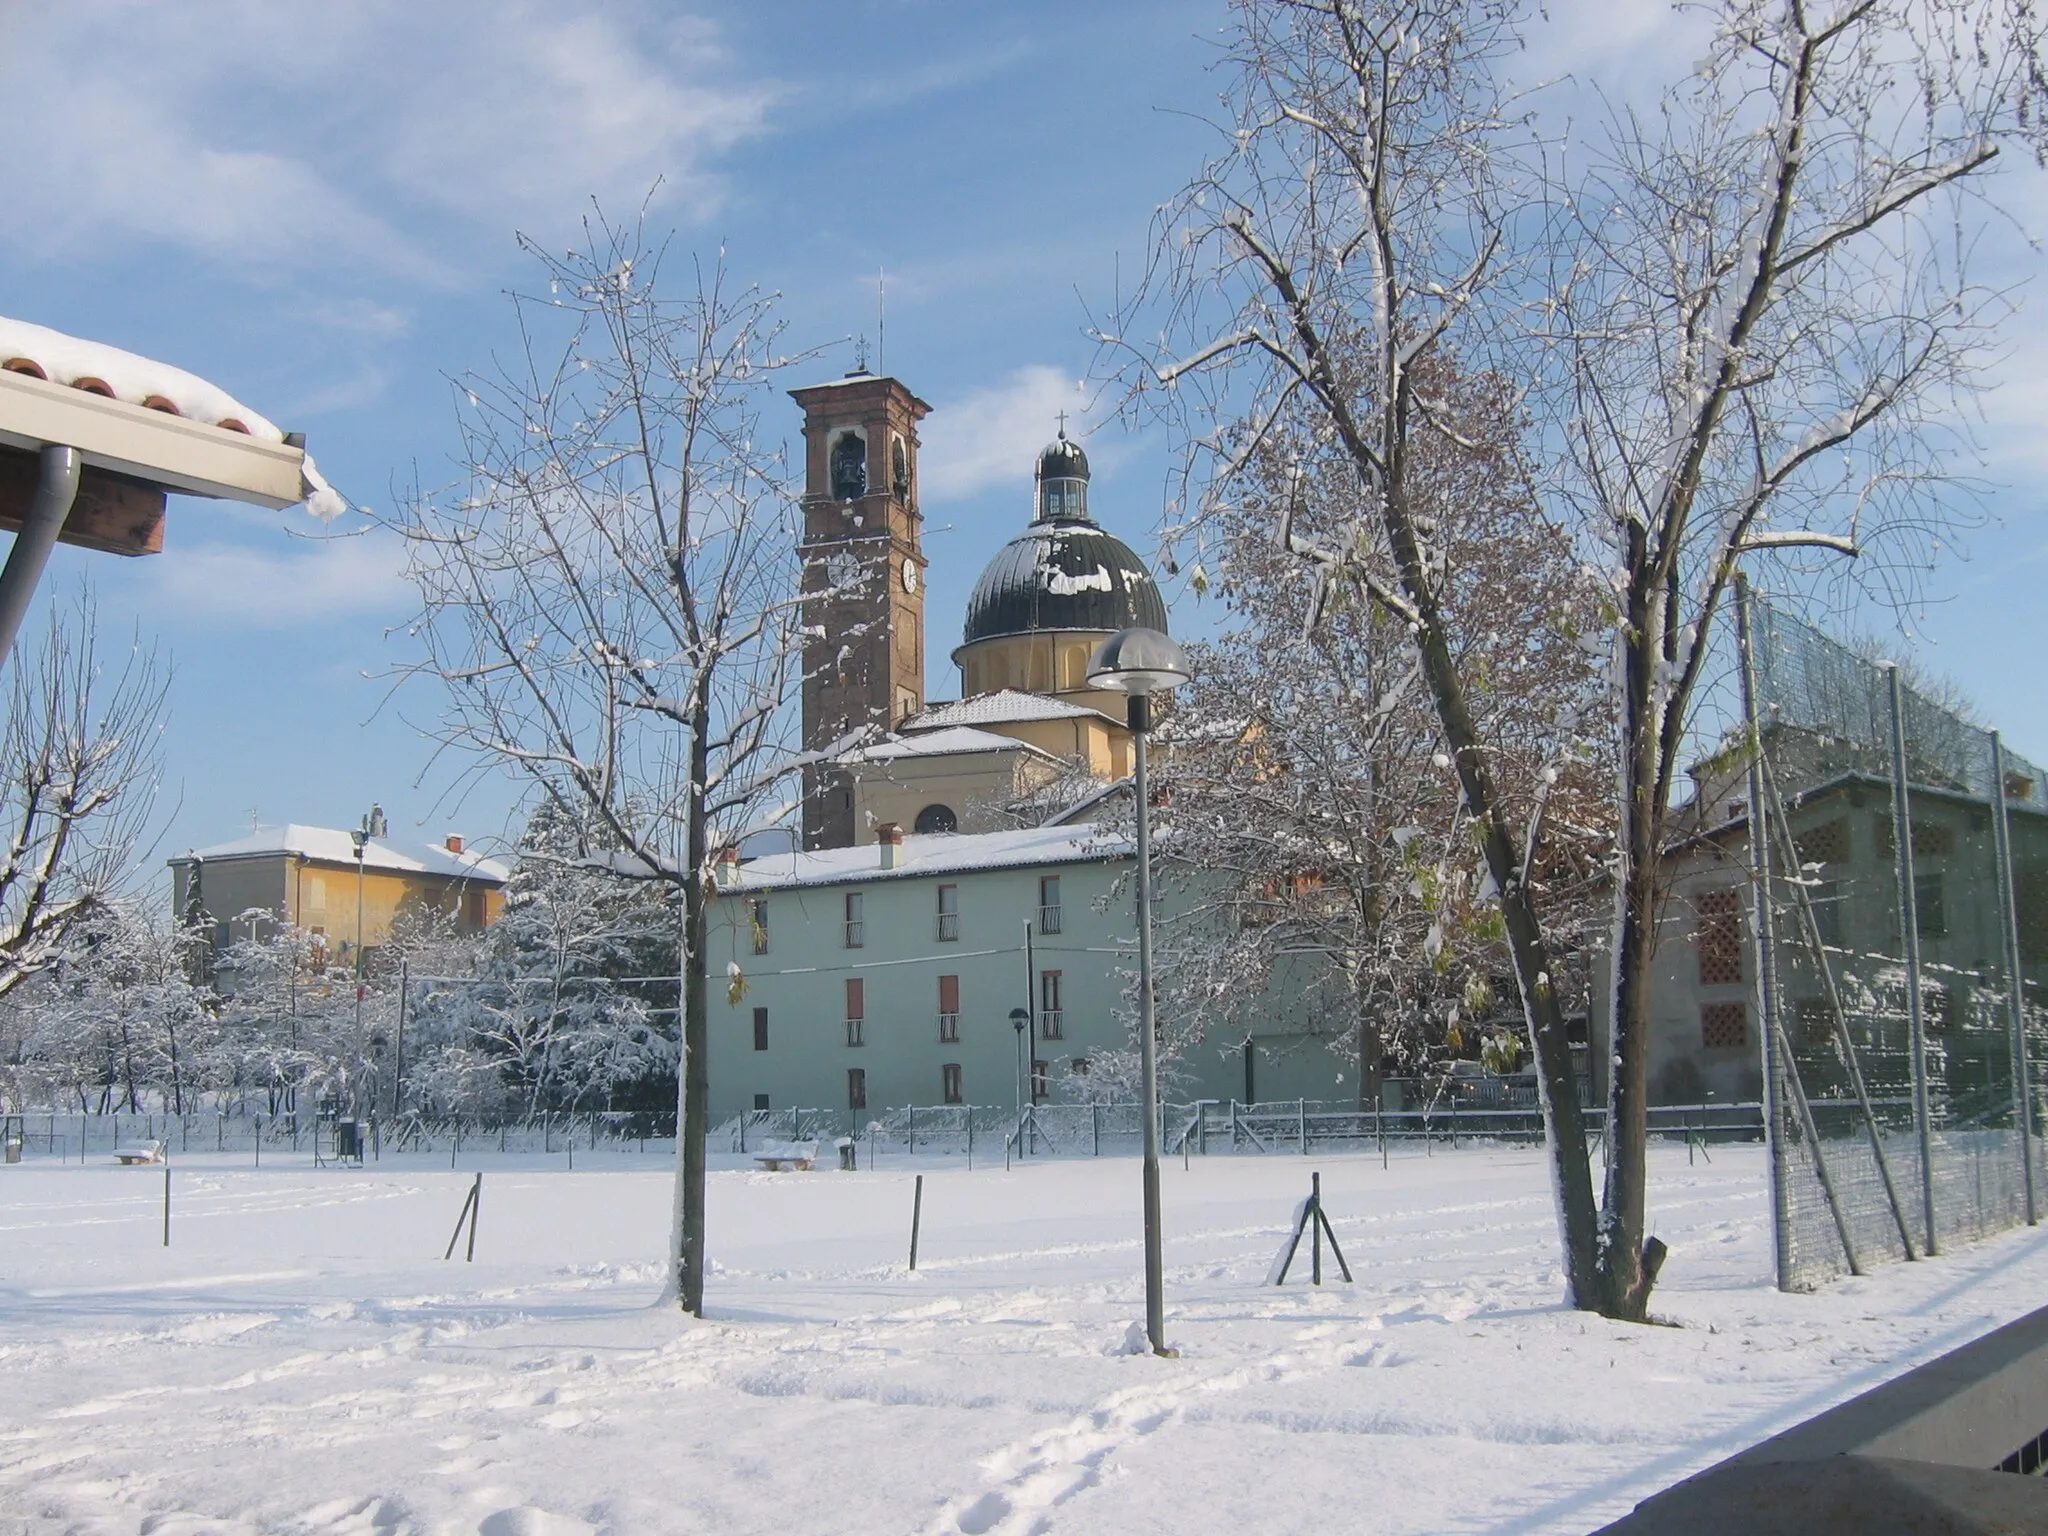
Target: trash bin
x,y
846,1149
348,1141
14,1149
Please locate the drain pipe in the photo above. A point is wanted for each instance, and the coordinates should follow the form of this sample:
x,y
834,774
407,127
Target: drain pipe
x,y
56,489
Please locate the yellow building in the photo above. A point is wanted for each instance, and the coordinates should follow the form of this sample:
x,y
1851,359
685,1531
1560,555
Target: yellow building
x,y
310,877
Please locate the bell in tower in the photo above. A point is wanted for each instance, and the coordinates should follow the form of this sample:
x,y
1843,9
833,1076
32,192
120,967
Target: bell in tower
x,y
863,580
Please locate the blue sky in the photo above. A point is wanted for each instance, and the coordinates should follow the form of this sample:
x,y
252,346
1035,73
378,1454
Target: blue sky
x,y
315,206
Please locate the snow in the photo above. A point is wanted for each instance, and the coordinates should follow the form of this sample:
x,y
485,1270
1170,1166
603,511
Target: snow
x,y
301,1359
932,854
1006,706
1062,584
332,846
140,380
947,742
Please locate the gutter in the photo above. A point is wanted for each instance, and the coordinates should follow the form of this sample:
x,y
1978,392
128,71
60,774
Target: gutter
x,y
58,469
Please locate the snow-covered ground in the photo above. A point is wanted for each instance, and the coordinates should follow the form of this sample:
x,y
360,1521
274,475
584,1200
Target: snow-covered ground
x,y
300,1359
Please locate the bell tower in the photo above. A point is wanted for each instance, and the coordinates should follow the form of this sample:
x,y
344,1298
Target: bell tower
x,y
863,579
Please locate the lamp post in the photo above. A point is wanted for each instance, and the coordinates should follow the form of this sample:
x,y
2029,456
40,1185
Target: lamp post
x,y
373,826
1020,1020
1142,662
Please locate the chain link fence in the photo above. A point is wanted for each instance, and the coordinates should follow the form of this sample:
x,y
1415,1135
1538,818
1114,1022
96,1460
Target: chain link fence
x,y
1899,920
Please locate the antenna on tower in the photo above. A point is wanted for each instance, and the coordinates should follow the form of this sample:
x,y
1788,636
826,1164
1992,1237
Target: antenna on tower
x,y
879,315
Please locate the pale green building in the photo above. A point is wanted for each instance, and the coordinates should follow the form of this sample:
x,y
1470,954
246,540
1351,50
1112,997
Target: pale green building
x,y
885,975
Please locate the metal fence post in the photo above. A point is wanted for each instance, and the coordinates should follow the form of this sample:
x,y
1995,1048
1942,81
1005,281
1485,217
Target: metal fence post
x,y
1909,935
2015,978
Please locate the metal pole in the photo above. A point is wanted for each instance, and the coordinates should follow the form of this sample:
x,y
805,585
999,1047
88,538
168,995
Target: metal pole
x,y
1031,1004
1148,1045
398,1069
56,490
2015,979
916,1215
1765,961
1909,932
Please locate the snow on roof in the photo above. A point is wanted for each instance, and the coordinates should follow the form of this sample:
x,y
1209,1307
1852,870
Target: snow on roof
x,y
936,854
41,353
331,846
954,741
1007,706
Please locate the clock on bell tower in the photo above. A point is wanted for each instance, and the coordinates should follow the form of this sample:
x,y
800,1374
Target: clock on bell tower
x,y
863,569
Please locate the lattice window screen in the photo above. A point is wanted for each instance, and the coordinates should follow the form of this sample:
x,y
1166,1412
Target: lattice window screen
x,y
1723,1026
1719,938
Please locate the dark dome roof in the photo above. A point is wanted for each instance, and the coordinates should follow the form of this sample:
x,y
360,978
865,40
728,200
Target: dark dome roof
x,y
1062,575
1062,459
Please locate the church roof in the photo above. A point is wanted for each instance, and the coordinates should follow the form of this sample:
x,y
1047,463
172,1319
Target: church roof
x,y
1062,575
1006,706
950,742
1064,572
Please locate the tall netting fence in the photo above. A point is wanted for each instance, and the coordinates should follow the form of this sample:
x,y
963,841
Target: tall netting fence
x,y
1902,953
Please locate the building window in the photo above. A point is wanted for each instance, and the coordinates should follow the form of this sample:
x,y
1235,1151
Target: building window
x,y
1816,1023
1723,1026
1930,912
760,1029
1719,938
1825,897
761,1103
949,1081
856,929
757,919
1049,904
1827,843
856,1011
856,1088
1051,1017
949,1009
949,913
936,818
1041,1080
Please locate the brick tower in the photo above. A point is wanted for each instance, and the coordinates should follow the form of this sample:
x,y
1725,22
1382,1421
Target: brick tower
x,y
863,581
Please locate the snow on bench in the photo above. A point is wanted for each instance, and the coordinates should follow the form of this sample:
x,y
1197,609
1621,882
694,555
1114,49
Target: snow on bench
x,y
792,1154
139,1152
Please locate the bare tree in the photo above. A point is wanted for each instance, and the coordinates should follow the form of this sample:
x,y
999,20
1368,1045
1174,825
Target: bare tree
x,y
82,757
1317,830
608,601
1739,330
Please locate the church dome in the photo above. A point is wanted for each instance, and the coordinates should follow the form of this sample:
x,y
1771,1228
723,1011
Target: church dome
x,y
1064,572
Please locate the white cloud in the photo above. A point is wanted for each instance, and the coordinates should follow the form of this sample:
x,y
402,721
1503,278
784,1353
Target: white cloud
x,y
300,582
994,433
321,137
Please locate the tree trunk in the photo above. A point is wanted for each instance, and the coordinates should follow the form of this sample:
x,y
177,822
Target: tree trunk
x,y
1624,1282
1571,1177
694,1100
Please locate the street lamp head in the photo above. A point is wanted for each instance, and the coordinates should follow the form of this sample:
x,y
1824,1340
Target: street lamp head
x,y
1019,1017
1139,662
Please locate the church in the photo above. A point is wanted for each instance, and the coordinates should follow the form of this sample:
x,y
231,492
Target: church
x,y
955,930
1026,724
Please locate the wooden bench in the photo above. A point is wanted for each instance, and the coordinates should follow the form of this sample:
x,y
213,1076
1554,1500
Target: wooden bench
x,y
138,1152
801,1156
